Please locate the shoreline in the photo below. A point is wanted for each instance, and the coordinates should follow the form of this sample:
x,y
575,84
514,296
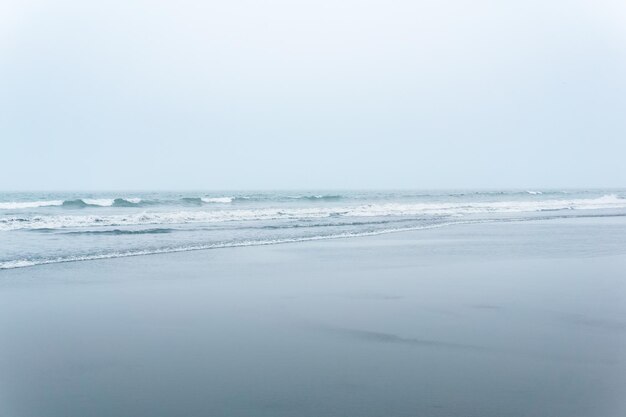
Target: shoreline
x,y
25,263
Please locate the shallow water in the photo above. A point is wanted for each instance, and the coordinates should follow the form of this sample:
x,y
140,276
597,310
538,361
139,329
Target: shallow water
x,y
43,228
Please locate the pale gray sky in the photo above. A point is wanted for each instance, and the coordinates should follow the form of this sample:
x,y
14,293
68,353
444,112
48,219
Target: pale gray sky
x,y
312,94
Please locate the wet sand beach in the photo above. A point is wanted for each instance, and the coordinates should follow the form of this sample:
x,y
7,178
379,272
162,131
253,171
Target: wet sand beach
x,y
486,320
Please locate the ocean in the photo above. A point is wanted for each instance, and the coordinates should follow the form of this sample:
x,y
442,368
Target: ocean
x,y
45,228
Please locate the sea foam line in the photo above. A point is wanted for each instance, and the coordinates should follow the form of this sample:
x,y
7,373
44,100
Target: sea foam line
x,y
22,263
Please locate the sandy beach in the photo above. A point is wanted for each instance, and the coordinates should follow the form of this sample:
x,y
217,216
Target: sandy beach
x,y
507,319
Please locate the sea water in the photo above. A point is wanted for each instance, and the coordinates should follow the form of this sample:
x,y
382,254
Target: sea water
x,y
43,227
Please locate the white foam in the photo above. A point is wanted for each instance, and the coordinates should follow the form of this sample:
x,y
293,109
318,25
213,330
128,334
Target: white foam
x,y
18,263
223,200
16,205
369,210
102,202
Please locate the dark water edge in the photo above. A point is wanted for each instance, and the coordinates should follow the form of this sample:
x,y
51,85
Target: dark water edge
x,y
508,319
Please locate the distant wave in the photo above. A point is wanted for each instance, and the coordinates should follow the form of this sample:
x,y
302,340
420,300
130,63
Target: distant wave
x,y
127,202
102,202
16,205
82,203
223,200
79,202
316,197
208,200
172,200
497,193
112,202
192,200
303,213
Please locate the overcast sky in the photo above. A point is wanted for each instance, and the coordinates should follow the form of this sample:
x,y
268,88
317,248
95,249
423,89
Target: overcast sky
x,y
312,94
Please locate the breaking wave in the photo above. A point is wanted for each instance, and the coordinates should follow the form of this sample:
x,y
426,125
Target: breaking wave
x,y
102,202
222,200
304,213
16,205
316,197
173,200
75,203
198,201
